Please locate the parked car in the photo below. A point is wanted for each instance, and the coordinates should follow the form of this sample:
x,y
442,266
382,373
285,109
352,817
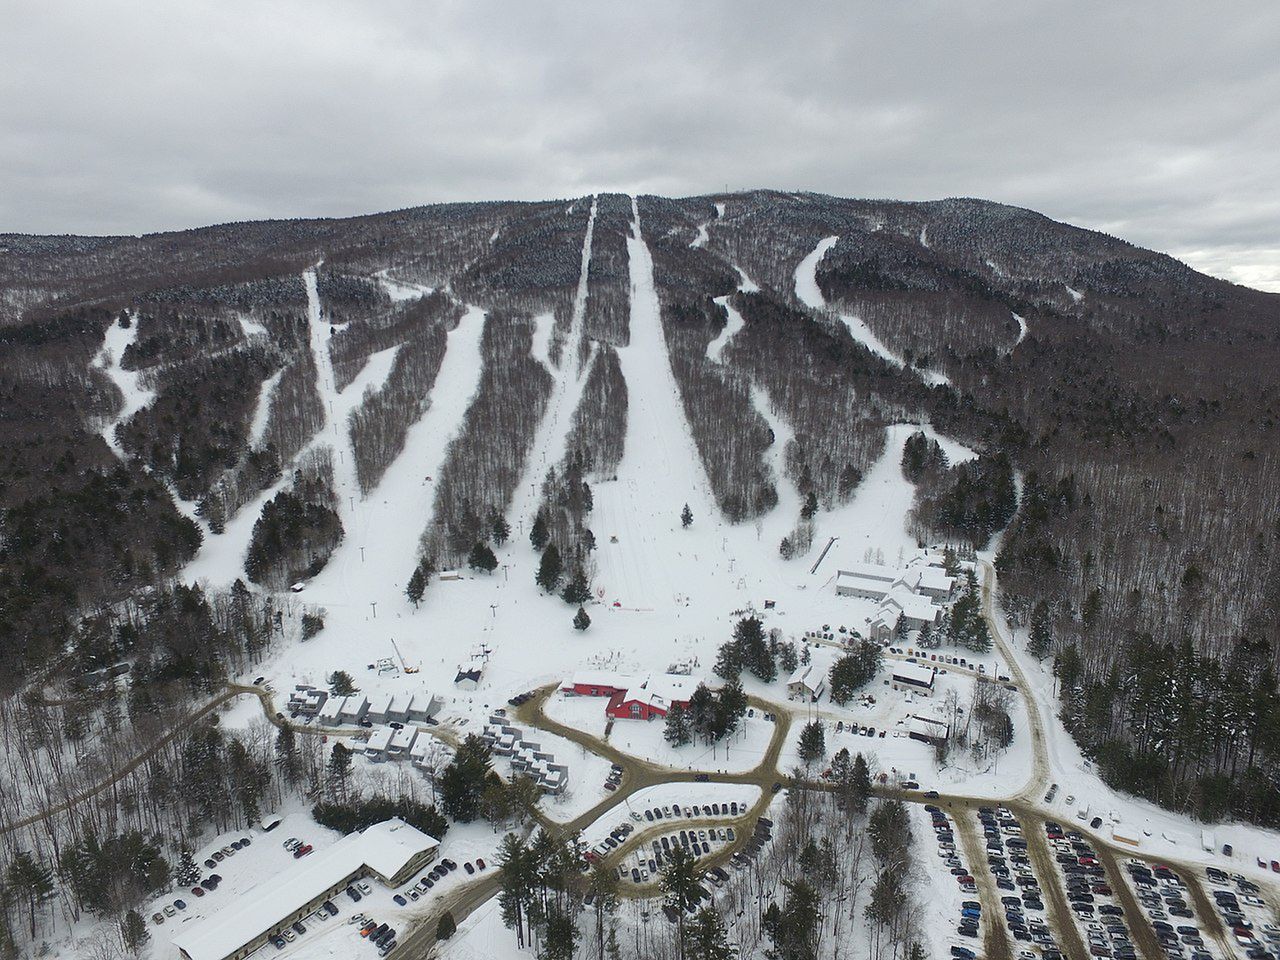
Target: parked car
x,y
469,868
400,900
157,918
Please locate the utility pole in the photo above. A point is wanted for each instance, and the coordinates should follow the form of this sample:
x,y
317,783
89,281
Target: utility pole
x,y
374,604
362,554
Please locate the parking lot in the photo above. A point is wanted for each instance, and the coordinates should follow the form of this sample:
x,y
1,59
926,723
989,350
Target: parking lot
x,y
962,893
1021,897
1248,922
1164,899
1095,907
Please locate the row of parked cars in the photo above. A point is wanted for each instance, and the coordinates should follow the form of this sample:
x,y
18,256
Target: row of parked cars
x,y
206,885
1163,895
1239,908
296,929
970,910
1100,918
1021,897
380,935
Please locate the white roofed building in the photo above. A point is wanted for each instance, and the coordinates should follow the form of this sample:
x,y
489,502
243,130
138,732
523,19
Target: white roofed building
x,y
869,580
913,677
391,851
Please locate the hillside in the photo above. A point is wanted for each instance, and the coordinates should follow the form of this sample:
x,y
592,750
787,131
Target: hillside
x,y
534,393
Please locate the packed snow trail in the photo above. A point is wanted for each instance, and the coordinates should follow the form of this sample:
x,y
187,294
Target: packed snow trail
x,y
548,447
810,294
734,323
654,562
1022,332
221,556
262,413
128,382
379,547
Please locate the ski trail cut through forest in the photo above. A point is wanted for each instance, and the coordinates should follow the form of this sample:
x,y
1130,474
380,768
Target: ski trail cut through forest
x,y
221,556
654,559
261,414
388,523
128,382
810,294
570,379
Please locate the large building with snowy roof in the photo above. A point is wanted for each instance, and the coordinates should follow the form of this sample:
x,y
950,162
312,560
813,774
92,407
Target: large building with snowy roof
x,y
652,698
391,851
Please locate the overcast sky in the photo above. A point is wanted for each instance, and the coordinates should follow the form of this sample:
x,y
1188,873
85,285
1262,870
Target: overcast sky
x,y
1158,122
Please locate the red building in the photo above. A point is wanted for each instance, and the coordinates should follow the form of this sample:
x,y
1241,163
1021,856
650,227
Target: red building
x,y
651,699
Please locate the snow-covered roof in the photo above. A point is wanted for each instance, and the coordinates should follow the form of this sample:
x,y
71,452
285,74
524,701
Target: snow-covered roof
x,y
332,709
600,678
871,571
380,738
380,703
913,673
385,848
928,727
912,604
935,578
403,738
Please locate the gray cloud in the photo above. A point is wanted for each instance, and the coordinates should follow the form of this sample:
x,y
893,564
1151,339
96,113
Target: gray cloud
x,y
1152,120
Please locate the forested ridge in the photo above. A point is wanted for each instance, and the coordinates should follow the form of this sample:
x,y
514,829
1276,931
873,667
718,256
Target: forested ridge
x,y
1124,408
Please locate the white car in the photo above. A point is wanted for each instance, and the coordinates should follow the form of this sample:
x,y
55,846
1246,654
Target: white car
x,y
364,887
288,934
170,910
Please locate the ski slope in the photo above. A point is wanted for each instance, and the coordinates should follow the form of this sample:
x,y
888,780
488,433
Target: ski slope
x,y
809,293
262,412
379,547
548,447
128,382
654,561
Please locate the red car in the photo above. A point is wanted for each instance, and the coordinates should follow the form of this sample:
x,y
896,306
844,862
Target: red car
x,y
1275,866
480,863
302,851
965,879
197,891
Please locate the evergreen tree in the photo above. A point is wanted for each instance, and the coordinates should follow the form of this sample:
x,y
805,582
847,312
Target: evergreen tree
x,y
785,549
188,873
707,938
463,782
686,517
731,707
680,883
482,558
788,660
1040,641
702,712
30,879
133,932
581,620
538,535
728,665
416,587
549,569
499,529
810,508
855,670
813,742
577,590
339,770
678,730
860,783
341,684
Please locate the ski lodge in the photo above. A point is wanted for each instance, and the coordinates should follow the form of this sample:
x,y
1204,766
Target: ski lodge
x,y
913,678
391,852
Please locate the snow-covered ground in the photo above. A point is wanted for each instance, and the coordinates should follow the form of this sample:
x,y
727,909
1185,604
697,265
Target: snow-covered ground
x,y
875,519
